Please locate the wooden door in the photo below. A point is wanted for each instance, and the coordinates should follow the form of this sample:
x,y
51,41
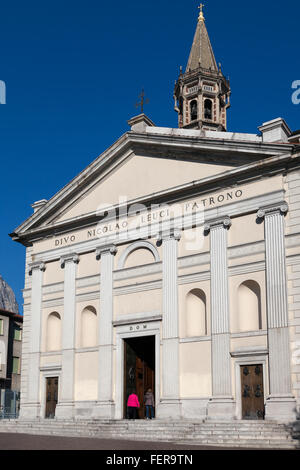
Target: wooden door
x,y
51,396
252,392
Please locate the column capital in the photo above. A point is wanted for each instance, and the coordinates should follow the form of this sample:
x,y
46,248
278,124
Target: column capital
x,y
37,265
73,257
169,234
215,223
112,249
281,207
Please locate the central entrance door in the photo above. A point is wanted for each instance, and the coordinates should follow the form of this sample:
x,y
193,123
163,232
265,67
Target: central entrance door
x,y
252,392
51,396
139,369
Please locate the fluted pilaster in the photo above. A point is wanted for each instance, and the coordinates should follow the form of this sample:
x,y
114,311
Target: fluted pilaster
x,y
280,404
31,408
221,404
170,405
105,403
65,407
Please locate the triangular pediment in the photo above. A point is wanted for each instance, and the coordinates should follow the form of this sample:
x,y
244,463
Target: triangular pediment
x,y
139,167
136,177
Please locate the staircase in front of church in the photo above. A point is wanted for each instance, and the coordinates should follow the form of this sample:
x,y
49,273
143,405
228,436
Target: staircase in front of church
x,y
245,434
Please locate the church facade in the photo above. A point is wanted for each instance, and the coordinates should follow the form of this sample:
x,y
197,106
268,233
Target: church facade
x,y
172,262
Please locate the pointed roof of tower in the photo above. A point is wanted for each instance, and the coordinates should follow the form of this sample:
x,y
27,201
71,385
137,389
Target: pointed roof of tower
x,y
201,53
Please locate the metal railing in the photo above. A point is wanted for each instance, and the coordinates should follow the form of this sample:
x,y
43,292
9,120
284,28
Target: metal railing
x,y
9,404
7,413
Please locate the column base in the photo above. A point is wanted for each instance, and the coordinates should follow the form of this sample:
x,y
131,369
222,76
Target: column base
x,y
281,408
64,410
30,411
169,408
221,408
105,409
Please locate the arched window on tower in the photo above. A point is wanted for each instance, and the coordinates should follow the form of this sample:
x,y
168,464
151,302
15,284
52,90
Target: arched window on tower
x,y
208,109
249,307
180,105
194,110
196,318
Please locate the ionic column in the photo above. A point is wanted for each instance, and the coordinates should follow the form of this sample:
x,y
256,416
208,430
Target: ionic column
x,y
280,403
170,403
105,407
221,405
31,408
65,406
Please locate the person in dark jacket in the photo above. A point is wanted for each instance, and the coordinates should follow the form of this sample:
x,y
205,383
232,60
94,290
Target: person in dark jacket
x,y
149,404
133,405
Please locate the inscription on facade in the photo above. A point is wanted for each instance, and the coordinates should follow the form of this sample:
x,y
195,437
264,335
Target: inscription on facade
x,y
136,221
138,327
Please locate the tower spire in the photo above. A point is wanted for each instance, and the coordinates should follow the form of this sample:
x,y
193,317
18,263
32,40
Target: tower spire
x,y
202,93
202,53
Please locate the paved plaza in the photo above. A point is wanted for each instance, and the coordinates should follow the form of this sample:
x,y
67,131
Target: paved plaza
x,y
10,441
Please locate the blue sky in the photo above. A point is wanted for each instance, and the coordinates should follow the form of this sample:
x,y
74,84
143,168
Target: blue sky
x,y
74,70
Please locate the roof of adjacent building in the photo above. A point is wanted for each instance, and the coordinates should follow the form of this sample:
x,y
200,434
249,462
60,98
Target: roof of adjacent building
x,y
13,315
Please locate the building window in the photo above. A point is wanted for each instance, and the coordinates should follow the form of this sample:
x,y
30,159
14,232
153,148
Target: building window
x,y
16,365
1,326
17,334
208,88
194,110
208,109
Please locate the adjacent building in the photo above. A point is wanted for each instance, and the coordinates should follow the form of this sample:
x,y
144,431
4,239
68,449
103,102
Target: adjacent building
x,y
171,262
10,350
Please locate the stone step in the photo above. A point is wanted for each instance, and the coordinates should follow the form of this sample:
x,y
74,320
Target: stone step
x,y
149,424
157,431
243,444
234,434
159,435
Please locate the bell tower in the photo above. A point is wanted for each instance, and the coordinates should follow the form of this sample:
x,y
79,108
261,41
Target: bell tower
x,y
202,93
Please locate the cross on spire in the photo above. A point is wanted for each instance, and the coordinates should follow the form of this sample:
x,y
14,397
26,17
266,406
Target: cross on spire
x,y
142,102
201,16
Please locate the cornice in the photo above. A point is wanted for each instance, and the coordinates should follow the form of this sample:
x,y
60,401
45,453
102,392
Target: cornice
x,y
28,232
174,141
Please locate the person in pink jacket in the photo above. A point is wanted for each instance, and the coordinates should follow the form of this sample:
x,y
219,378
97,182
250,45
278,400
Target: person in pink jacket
x,y
132,405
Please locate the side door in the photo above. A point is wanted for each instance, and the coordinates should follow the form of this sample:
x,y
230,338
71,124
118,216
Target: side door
x,y
252,388
51,396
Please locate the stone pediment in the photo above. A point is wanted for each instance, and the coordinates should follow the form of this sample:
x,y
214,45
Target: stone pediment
x,y
138,176
138,167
